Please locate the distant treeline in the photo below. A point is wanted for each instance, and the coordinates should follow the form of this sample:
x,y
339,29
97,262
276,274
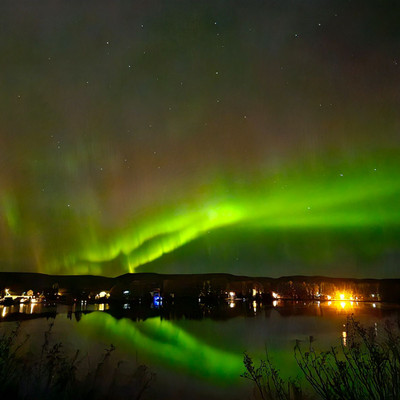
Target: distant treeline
x,y
194,285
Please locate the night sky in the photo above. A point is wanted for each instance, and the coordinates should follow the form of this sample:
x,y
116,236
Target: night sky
x,y
251,137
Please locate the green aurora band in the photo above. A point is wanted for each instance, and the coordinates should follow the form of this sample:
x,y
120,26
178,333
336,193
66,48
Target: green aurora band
x,y
183,137
354,195
351,196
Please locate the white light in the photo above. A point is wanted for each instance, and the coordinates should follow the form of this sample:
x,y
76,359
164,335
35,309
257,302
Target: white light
x,y
344,337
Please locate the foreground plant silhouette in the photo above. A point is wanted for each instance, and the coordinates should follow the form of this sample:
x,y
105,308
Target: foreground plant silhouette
x,y
268,382
56,375
365,366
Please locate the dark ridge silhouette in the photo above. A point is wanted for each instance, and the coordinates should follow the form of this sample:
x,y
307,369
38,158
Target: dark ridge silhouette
x,y
191,285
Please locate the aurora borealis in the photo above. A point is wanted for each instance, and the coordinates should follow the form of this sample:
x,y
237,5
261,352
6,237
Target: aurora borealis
x,y
168,344
257,137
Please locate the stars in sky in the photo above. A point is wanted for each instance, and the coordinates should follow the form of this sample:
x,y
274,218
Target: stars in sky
x,y
119,109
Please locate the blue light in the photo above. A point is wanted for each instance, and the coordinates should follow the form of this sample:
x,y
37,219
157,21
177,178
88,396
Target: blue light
x,y
157,300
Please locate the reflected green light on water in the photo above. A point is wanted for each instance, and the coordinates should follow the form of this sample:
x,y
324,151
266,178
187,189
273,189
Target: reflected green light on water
x,y
165,343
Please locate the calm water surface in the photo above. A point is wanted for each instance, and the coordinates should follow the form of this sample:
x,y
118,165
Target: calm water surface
x,y
196,351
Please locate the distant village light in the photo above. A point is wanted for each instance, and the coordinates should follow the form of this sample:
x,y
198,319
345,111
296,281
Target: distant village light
x,y
102,295
344,337
157,299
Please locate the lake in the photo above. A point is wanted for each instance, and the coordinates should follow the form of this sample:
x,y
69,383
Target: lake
x,y
196,351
